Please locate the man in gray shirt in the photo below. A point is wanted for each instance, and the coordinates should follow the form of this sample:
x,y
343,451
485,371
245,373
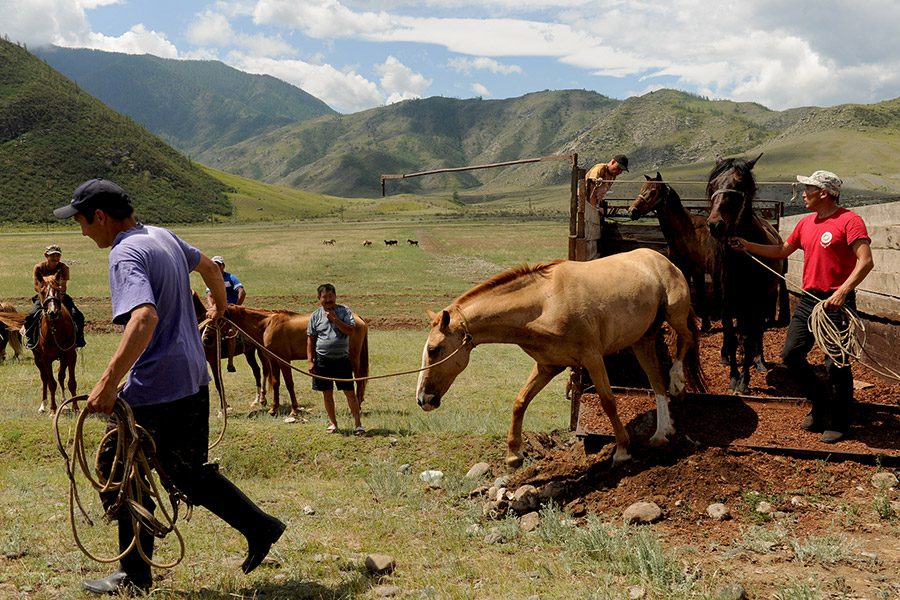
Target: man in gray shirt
x,y
328,352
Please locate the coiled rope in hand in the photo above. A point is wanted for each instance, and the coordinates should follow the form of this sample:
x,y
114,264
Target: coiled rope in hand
x,y
840,344
134,461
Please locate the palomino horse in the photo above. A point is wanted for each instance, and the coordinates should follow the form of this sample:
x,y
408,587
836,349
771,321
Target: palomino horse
x,y
56,341
687,237
567,314
241,346
9,330
283,332
748,289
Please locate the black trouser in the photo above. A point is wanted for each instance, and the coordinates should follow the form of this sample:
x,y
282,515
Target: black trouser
x,y
831,401
33,316
180,430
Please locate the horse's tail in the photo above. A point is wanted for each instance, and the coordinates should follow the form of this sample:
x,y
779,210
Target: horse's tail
x,y
693,369
361,362
15,340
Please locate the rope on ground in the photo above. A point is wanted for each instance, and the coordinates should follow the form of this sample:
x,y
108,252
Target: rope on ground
x,y
134,460
840,344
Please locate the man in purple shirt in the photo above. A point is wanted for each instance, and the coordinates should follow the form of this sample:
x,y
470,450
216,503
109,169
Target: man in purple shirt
x,y
167,386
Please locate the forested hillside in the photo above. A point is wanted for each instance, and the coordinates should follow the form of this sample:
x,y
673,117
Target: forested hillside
x,y
193,105
53,136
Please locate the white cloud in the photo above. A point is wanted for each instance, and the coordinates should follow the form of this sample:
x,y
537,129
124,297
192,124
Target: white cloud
x,y
400,82
343,91
210,29
481,63
480,89
137,40
91,4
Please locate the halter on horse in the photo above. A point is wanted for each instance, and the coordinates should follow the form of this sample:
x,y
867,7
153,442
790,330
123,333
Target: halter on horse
x,y
56,342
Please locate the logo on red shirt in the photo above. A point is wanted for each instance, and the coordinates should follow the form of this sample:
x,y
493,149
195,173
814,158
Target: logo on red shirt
x,y
826,239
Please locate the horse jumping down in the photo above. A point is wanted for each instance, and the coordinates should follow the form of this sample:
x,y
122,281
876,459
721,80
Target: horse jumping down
x,y
566,314
748,289
56,341
283,332
9,331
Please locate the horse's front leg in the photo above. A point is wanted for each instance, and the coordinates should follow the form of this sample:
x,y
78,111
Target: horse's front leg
x,y
250,355
748,346
759,361
275,384
645,351
289,384
540,376
699,279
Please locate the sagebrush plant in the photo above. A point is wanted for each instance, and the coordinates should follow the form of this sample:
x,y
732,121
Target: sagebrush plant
x,y
827,549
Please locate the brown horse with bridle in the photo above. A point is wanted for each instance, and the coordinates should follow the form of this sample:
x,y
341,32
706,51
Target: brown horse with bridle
x,y
687,237
56,341
571,314
749,290
283,332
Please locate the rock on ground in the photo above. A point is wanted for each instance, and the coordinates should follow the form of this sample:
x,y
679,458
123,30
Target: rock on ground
x,y
380,563
478,470
642,512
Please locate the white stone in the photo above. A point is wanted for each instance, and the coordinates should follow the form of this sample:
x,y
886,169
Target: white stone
x,y
431,476
636,592
493,538
884,480
718,511
642,512
380,563
530,521
309,510
479,470
764,508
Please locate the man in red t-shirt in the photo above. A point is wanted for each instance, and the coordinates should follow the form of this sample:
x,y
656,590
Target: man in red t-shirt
x,y
836,258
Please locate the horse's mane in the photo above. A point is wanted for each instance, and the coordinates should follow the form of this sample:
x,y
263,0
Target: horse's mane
x,y
746,182
538,270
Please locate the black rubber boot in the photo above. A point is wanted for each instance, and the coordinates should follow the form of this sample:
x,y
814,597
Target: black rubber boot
x,y
133,573
225,500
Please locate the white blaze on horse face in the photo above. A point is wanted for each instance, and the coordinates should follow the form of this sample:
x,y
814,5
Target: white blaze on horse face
x,y
422,398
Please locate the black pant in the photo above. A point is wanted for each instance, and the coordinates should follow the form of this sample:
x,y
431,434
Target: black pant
x,y
33,316
831,401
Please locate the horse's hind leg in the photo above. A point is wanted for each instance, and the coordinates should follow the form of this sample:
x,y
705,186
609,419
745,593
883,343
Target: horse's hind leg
x,y
645,351
275,384
540,376
289,384
597,371
250,355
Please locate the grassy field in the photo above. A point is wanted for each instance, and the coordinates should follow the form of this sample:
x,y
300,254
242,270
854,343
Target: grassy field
x,y
362,503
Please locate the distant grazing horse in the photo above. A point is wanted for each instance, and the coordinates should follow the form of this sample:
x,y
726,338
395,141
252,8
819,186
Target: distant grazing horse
x,y
9,332
412,242
687,237
56,341
367,243
283,332
329,242
567,314
390,242
749,290
241,346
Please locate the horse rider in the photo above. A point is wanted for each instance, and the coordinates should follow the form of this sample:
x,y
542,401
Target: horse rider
x,y
836,258
600,178
167,384
49,268
234,294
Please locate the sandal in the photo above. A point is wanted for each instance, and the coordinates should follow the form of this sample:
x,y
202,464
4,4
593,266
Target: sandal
x,y
331,429
359,431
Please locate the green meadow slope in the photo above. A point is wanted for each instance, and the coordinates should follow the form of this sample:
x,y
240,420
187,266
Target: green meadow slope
x,y
53,136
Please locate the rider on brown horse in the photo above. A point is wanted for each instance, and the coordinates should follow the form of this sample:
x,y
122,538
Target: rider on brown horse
x,y
48,268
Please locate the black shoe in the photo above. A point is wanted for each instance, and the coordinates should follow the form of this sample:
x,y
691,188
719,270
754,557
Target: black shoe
x,y
258,548
831,436
809,424
118,582
230,369
80,343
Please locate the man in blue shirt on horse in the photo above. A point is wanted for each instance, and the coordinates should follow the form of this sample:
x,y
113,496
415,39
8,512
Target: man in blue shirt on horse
x,y
234,294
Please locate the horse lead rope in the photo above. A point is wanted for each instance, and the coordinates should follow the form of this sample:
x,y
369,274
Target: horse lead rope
x,y
840,345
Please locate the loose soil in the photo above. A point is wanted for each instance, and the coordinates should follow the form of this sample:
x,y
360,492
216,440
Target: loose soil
x,y
817,497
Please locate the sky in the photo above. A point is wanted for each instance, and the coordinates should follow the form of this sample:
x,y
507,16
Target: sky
x,y
360,54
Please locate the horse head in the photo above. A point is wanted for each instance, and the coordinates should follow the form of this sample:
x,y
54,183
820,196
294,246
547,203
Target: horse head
x,y
51,296
652,193
730,190
445,355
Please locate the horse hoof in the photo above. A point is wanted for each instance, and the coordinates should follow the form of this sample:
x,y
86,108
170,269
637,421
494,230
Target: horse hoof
x,y
515,461
620,458
657,441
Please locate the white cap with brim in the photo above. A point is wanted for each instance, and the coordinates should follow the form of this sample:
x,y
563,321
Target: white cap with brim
x,y
825,180
218,260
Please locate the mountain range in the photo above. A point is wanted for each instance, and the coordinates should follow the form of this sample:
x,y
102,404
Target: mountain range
x,y
267,130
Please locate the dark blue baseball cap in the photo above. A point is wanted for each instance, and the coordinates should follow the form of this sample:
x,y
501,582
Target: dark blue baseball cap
x,y
91,195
